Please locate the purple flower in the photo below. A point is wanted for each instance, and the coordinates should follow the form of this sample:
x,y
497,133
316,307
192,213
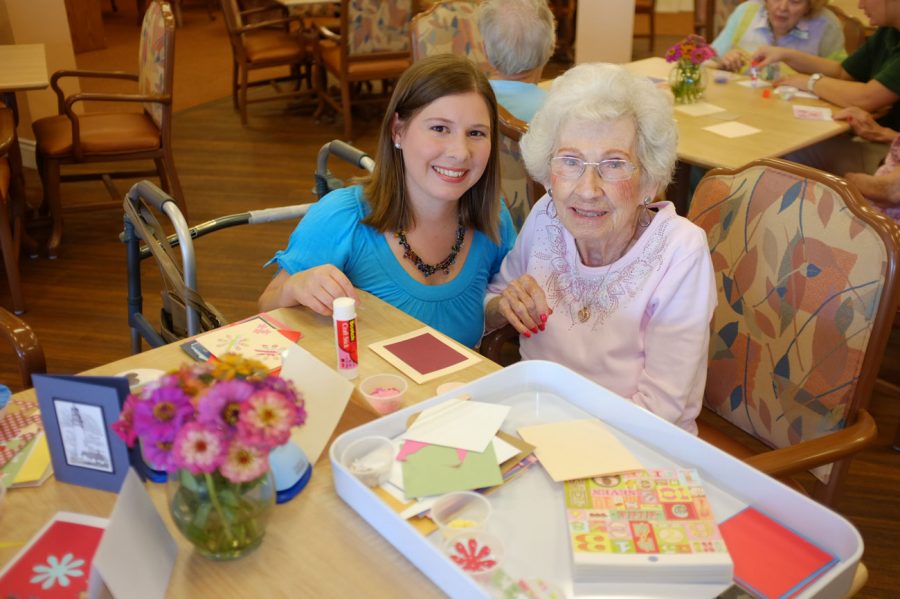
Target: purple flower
x,y
158,451
221,405
162,413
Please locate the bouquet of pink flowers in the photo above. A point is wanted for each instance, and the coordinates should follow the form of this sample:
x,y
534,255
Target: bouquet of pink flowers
x,y
687,79
223,416
212,426
692,49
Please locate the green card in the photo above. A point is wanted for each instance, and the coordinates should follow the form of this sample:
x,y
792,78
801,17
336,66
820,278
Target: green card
x,y
434,470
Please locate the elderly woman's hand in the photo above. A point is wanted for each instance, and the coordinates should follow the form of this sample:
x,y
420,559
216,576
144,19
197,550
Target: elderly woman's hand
x,y
864,125
733,60
524,305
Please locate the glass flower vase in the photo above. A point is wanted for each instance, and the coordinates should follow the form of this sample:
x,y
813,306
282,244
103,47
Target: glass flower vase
x,y
687,81
222,519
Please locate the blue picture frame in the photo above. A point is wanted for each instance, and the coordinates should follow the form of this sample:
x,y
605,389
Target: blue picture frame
x,y
78,413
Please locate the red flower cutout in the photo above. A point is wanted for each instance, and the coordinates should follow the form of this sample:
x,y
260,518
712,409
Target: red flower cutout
x,y
472,558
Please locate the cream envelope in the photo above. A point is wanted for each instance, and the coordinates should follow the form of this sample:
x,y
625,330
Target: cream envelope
x,y
460,423
326,394
576,449
731,129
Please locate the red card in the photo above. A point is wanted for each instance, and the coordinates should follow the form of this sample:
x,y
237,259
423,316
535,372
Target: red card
x,y
771,560
426,353
57,562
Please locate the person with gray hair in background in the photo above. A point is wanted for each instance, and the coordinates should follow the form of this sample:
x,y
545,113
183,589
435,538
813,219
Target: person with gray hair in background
x,y
602,278
519,38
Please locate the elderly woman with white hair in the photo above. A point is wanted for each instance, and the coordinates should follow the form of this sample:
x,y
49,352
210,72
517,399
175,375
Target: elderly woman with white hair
x,y
602,279
519,37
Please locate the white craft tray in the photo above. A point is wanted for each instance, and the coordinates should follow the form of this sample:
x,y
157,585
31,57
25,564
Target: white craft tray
x,y
528,512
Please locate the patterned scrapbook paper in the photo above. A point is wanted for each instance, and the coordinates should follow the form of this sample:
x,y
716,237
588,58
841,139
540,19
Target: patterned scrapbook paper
x,y
651,519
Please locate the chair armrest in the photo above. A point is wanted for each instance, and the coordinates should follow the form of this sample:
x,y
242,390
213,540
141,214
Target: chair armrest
x,y
25,343
7,130
328,34
60,95
271,7
492,343
829,448
273,23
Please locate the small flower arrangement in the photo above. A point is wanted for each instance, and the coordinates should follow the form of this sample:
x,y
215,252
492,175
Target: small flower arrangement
x,y
686,79
212,426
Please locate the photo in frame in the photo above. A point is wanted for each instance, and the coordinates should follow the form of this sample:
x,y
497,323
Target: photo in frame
x,y
78,412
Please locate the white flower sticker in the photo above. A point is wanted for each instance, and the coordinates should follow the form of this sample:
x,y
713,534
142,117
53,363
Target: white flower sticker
x,y
57,571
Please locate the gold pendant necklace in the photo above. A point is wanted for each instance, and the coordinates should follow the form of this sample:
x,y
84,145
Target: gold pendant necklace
x,y
584,314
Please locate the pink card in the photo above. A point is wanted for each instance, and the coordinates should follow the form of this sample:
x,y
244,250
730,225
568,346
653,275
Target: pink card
x,y
771,560
56,563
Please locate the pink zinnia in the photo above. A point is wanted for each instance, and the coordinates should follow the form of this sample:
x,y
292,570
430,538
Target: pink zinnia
x,y
244,463
158,452
221,405
162,413
199,448
266,419
124,426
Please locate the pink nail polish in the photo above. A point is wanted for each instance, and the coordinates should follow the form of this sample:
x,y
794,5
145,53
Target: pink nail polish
x,y
543,318
534,330
541,326
527,334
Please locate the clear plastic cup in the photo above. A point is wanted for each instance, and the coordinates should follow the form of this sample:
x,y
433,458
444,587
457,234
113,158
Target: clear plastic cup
x,y
384,392
369,459
461,511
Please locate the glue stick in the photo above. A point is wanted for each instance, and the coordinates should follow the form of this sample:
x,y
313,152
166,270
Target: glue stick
x,y
344,313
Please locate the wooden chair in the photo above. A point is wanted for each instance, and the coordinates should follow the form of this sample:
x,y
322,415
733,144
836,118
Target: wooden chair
x,y
647,7
11,210
710,16
519,190
29,354
449,27
108,137
262,38
807,288
564,13
855,32
373,45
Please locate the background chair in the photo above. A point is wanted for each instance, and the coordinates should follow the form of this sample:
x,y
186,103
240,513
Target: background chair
x,y
108,137
564,12
11,210
449,27
262,38
807,289
647,7
373,44
710,16
29,353
519,190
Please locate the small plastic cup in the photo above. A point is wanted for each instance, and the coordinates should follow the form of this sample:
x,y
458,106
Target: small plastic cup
x,y
461,511
384,392
478,553
369,459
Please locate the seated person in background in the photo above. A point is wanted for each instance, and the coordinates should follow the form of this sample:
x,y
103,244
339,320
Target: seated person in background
x,y
804,25
519,37
882,188
428,230
869,79
602,279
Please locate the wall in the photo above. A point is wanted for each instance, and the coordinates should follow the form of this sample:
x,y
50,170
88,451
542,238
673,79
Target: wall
x,y
34,22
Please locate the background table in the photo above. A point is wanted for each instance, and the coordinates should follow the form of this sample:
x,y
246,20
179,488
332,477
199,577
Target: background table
x,y
315,546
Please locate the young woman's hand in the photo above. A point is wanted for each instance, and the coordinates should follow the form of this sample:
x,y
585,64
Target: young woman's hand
x,y
314,288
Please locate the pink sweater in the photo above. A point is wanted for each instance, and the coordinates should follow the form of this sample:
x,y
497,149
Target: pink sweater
x,y
646,333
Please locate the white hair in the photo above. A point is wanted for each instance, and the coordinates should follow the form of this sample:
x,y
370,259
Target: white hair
x,y
519,35
604,93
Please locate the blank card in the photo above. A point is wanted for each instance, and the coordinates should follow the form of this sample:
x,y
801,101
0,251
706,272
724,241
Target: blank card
x,y
424,354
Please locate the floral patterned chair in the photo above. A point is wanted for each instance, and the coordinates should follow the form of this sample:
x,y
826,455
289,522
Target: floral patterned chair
x,y
106,137
373,44
519,190
449,27
807,289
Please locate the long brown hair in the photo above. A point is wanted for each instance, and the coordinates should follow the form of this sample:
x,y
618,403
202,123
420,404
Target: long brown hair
x,y
421,84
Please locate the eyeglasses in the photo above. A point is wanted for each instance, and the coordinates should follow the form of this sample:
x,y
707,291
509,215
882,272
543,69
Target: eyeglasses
x,y
612,169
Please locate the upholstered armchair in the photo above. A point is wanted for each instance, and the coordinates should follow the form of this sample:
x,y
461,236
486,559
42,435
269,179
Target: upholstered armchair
x,y
807,290
113,137
373,44
519,190
449,27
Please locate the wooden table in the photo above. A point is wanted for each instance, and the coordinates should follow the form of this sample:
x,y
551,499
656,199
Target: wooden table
x,y
315,546
780,133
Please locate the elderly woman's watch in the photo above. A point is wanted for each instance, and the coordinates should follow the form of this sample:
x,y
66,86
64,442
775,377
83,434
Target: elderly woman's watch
x,y
811,82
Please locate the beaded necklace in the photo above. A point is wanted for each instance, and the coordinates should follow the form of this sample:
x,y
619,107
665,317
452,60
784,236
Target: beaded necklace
x,y
429,269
